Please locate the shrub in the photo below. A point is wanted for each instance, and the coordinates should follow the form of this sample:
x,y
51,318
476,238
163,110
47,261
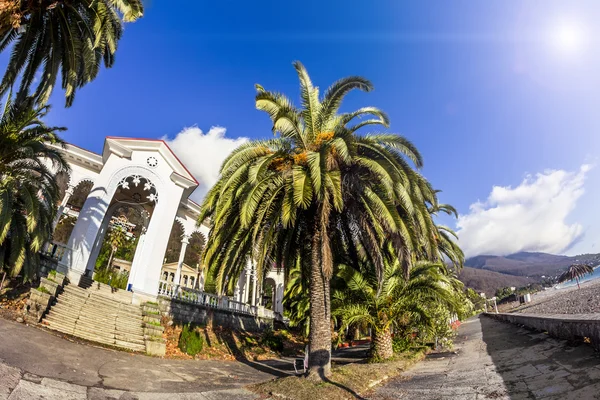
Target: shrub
x,y
271,340
190,341
401,344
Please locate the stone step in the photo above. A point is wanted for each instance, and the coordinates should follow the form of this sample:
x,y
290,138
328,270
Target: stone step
x,y
108,326
136,334
68,314
106,297
98,315
122,336
99,304
113,342
59,325
93,310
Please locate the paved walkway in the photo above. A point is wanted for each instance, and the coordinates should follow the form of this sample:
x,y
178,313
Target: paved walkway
x,y
39,365
496,360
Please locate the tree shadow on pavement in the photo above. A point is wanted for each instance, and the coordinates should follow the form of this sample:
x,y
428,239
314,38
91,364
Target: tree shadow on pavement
x,y
277,368
533,365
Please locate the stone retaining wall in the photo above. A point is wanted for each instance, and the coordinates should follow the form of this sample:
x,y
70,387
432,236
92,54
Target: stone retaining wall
x,y
185,313
562,326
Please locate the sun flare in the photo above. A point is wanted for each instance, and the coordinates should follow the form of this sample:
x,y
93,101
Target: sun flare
x,y
569,37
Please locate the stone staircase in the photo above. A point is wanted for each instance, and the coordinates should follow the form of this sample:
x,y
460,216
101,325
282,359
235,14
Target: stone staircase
x,y
97,313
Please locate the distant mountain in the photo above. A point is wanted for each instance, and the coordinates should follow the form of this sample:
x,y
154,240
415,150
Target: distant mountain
x,y
482,280
533,265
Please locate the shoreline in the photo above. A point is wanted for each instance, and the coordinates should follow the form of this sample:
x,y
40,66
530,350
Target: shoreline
x,y
569,300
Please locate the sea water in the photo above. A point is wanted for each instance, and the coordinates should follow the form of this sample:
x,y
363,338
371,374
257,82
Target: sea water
x,y
585,278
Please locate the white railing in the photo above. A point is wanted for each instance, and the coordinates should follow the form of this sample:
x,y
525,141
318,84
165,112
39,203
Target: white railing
x,y
56,251
169,289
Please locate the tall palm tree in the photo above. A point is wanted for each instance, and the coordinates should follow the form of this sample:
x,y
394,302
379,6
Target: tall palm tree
x,y
28,189
382,305
575,272
317,190
74,37
116,239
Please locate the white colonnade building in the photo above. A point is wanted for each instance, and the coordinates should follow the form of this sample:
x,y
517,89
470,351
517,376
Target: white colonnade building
x,y
145,177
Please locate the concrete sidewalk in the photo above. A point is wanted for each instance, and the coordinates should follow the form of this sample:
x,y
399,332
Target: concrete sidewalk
x,y
35,364
496,360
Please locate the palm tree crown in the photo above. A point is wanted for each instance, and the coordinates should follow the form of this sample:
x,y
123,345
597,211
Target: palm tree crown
x,y
74,37
317,190
575,272
28,189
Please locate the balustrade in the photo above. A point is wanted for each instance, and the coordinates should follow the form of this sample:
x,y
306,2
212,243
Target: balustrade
x,y
56,251
170,289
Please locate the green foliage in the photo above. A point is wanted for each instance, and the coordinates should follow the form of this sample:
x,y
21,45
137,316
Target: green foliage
x,y
67,38
154,323
401,344
272,341
422,302
190,340
115,279
28,189
43,290
503,293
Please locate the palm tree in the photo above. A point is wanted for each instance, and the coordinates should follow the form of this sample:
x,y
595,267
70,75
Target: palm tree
x,y
383,305
29,150
575,272
318,190
116,239
446,239
74,37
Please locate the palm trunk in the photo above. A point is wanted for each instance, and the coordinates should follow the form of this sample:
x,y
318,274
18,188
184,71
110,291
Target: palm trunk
x,y
2,284
319,358
112,253
577,279
382,345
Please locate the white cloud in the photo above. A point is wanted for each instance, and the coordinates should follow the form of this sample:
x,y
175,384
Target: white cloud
x,y
529,217
203,153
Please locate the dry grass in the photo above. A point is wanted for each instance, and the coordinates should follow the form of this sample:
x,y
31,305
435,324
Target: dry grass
x,y
347,382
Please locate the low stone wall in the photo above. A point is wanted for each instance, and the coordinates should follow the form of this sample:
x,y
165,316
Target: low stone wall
x,y
561,326
185,313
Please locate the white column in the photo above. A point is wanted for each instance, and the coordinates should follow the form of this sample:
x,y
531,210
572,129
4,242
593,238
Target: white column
x,y
68,193
184,242
254,278
247,285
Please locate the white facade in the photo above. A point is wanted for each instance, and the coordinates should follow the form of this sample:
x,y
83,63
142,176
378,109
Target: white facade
x,y
145,174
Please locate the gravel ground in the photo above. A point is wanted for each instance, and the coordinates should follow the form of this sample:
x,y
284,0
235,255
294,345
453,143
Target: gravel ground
x,y
566,301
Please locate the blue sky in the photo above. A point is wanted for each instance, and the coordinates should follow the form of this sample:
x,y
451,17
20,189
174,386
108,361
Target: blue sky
x,y
496,93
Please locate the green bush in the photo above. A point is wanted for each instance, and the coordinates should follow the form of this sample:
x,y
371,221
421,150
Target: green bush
x,y
190,341
271,340
401,344
112,277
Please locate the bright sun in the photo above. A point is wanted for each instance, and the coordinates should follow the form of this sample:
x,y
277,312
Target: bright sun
x,y
569,38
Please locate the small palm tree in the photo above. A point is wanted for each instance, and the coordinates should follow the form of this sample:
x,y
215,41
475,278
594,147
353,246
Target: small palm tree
x,y
28,188
382,305
116,239
69,37
575,272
